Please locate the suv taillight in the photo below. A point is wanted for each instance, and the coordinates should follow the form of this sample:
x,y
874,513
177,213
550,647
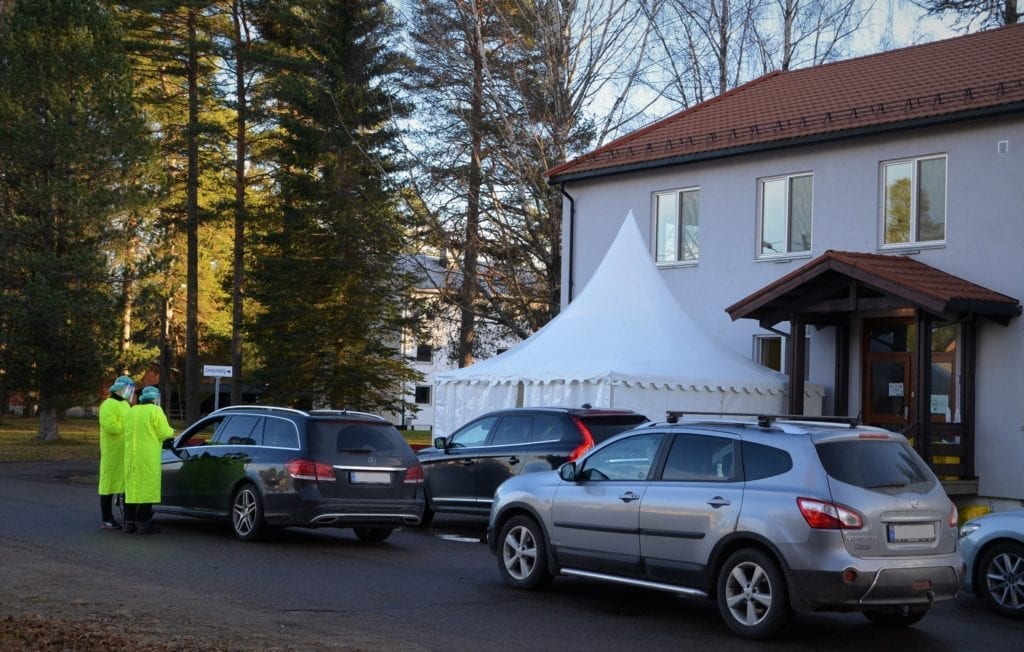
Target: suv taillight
x,y
414,474
823,515
310,470
588,440
954,516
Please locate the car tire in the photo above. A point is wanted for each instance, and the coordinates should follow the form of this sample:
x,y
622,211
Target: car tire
x,y
247,513
752,595
428,514
897,617
372,534
1001,579
522,554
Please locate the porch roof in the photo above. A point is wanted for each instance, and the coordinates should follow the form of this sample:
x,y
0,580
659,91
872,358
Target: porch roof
x,y
841,282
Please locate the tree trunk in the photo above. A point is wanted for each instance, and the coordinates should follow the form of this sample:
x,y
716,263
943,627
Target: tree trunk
x,y
237,295
48,425
192,407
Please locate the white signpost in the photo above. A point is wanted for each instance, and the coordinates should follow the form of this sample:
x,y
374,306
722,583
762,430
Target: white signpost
x,y
217,371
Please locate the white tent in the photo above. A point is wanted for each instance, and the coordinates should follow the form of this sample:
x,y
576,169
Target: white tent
x,y
624,342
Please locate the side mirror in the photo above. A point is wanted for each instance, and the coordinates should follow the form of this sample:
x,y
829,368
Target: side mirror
x,y
568,471
169,444
440,443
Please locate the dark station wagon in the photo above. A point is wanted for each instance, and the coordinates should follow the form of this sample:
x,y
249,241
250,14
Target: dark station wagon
x,y
259,466
463,470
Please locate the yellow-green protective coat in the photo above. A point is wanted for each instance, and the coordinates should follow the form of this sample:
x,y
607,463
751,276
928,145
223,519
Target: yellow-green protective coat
x,y
145,430
112,415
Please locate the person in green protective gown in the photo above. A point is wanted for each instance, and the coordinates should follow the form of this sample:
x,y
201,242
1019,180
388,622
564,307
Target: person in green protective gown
x,y
113,411
146,428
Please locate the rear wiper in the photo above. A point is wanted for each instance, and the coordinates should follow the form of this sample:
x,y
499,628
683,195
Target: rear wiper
x,y
897,484
355,450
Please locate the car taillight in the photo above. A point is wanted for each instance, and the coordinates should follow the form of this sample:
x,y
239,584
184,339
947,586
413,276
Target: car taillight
x,y
310,470
823,515
588,440
954,516
414,474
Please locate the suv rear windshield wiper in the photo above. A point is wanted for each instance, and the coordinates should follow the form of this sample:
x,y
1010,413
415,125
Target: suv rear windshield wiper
x,y
896,484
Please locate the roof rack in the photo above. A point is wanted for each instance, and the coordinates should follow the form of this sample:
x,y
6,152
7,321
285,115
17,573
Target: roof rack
x,y
258,407
763,420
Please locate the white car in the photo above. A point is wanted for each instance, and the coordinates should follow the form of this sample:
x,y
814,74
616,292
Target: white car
x,y
993,548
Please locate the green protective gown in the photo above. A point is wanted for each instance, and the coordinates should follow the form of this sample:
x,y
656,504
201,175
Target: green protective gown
x,y
145,430
112,416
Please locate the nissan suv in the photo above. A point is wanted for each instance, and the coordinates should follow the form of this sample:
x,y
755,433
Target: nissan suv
x,y
259,466
462,471
764,515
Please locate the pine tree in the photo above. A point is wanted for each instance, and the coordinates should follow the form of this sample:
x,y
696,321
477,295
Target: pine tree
x,y
73,139
326,260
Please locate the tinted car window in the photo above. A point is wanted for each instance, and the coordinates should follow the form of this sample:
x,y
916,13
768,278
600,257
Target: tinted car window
x,y
512,430
547,428
606,426
700,458
340,437
760,461
628,459
280,433
474,434
237,430
875,464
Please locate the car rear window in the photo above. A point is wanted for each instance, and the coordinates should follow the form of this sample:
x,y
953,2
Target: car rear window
x,y
331,437
875,464
606,426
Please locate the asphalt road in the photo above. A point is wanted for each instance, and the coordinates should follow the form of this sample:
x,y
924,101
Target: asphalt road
x,y
433,589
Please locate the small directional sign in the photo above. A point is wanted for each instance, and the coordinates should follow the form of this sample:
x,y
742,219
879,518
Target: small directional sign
x,y
217,370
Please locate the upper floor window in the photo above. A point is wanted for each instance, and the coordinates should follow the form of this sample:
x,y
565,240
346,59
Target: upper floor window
x,y
784,222
914,209
677,226
424,353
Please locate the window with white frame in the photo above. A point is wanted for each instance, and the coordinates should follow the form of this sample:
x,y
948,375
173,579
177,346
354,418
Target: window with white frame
x,y
914,202
770,351
677,226
422,395
784,216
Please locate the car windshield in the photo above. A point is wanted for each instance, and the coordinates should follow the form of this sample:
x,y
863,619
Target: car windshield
x,y
877,465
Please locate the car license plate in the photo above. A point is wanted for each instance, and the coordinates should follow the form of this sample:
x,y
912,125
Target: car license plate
x,y
369,477
911,532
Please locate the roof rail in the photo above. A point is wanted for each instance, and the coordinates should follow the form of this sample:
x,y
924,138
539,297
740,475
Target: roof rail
x,y
763,420
259,407
333,412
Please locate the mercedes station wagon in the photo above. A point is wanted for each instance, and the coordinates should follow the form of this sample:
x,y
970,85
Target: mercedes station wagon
x,y
258,466
765,515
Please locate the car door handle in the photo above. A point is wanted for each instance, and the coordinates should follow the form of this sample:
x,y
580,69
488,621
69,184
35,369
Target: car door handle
x,y
467,462
513,460
718,501
628,497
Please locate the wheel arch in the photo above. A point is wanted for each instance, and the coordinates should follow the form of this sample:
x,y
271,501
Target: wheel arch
x,y
739,541
520,509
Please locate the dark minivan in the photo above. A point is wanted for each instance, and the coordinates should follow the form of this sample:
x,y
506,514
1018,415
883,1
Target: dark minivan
x,y
463,470
259,466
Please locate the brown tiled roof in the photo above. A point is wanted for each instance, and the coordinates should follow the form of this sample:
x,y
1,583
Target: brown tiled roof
x,y
905,279
925,84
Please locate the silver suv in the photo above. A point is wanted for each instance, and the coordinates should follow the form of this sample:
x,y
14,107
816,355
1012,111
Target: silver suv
x,y
764,514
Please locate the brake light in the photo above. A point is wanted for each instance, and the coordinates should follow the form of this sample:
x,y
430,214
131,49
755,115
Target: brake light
x,y
588,440
823,515
954,516
414,474
310,470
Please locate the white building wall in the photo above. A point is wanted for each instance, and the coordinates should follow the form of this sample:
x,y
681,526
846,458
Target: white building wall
x,y
984,244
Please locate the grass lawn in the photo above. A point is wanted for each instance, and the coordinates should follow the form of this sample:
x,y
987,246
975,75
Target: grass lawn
x,y
79,440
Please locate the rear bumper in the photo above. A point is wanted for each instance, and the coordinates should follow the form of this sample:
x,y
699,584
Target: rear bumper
x,y
878,584
346,514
